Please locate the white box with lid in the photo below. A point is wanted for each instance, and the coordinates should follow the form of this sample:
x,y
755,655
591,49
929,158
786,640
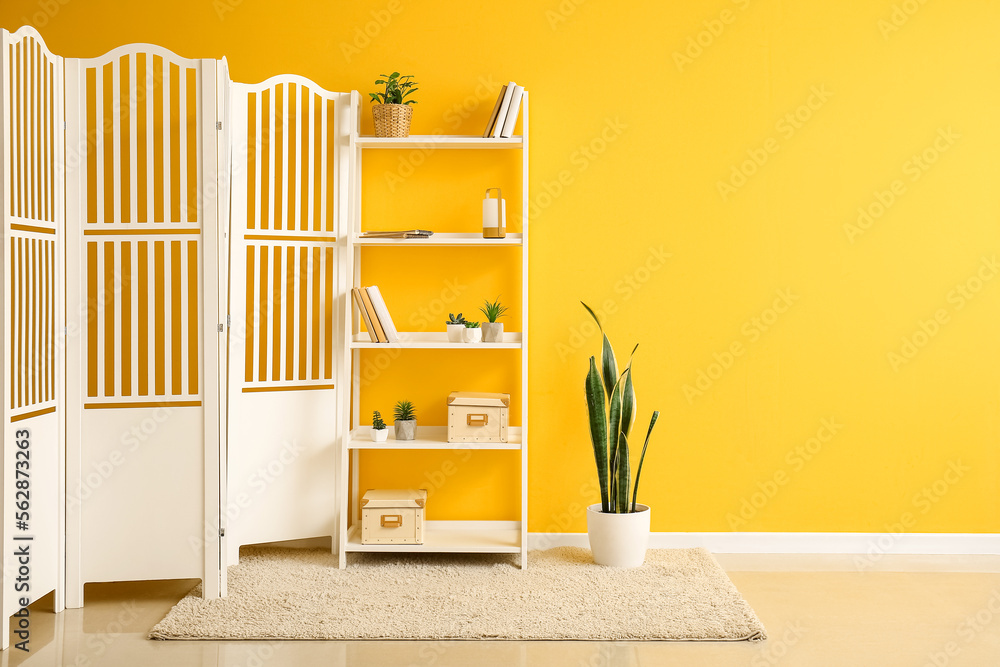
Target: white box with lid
x,y
475,416
393,516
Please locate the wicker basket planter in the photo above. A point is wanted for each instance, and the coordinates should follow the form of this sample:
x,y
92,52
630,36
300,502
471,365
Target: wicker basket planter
x,y
392,120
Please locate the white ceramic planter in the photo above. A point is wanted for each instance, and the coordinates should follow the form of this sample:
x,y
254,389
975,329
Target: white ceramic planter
x,y
405,429
492,332
473,335
618,540
456,333
380,435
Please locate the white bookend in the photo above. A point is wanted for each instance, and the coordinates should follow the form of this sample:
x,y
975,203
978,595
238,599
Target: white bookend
x,y
383,314
504,106
512,111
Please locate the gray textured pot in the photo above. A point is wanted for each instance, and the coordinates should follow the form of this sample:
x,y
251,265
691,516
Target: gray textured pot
x,y
405,429
492,332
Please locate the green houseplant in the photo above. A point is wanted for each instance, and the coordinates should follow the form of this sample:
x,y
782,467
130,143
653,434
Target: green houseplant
x,y
618,527
455,327
405,420
493,330
380,432
392,112
473,334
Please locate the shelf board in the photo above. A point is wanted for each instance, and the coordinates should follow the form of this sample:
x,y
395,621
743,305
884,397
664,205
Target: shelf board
x,y
444,239
450,537
434,340
430,437
438,141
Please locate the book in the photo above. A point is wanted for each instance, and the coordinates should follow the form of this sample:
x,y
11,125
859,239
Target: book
x,y
356,292
502,114
403,234
383,314
373,316
496,111
512,112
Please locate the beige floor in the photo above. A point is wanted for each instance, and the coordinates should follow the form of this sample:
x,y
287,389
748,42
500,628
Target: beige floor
x,y
813,618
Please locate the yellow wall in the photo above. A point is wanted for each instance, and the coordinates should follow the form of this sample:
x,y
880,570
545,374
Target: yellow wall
x,y
641,139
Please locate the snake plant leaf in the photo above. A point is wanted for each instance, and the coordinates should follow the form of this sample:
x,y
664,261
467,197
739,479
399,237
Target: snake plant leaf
x,y
598,430
614,428
624,474
609,365
614,507
628,402
652,422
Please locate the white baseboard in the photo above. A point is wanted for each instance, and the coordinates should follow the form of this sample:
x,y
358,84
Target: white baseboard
x,y
824,552
982,544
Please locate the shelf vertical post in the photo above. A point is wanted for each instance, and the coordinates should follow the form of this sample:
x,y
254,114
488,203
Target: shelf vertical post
x,y
524,329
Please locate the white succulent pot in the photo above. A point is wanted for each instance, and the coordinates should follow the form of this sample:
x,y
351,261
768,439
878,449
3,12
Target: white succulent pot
x,y
618,540
473,335
405,429
492,332
456,333
380,434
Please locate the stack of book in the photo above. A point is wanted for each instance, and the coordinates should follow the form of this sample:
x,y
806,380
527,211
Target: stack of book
x,y
505,112
375,314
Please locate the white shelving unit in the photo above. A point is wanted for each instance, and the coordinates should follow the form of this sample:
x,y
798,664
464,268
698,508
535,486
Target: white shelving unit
x,y
439,536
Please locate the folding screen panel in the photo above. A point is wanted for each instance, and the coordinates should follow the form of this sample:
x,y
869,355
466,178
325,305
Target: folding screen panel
x,y
285,286
32,213
143,295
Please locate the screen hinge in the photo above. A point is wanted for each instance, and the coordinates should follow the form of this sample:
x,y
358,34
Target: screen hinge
x,y
218,124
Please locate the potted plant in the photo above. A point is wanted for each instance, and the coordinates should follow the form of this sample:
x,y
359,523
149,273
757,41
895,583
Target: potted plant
x,y
493,330
455,327
380,432
405,420
392,111
618,527
473,334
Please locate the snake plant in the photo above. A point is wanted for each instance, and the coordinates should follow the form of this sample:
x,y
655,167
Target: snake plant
x,y
611,406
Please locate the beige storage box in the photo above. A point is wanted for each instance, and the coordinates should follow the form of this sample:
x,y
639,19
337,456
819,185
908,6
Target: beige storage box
x,y
393,516
478,417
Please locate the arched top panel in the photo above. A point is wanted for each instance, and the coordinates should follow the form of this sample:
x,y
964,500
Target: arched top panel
x,y
28,33
31,88
149,50
284,79
284,170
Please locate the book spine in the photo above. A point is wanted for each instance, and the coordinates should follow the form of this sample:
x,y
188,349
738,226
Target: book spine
x,y
379,331
383,314
356,293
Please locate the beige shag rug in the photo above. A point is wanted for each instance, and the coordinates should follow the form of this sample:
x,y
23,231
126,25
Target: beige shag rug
x,y
679,594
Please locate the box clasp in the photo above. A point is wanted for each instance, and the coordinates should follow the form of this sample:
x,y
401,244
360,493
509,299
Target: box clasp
x,y
477,420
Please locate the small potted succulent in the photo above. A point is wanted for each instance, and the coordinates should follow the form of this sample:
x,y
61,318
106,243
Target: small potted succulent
x,y
473,334
455,327
493,330
380,432
392,112
405,420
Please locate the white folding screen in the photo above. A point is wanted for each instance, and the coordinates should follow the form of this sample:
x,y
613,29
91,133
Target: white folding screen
x,y
285,286
143,293
32,215
161,437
